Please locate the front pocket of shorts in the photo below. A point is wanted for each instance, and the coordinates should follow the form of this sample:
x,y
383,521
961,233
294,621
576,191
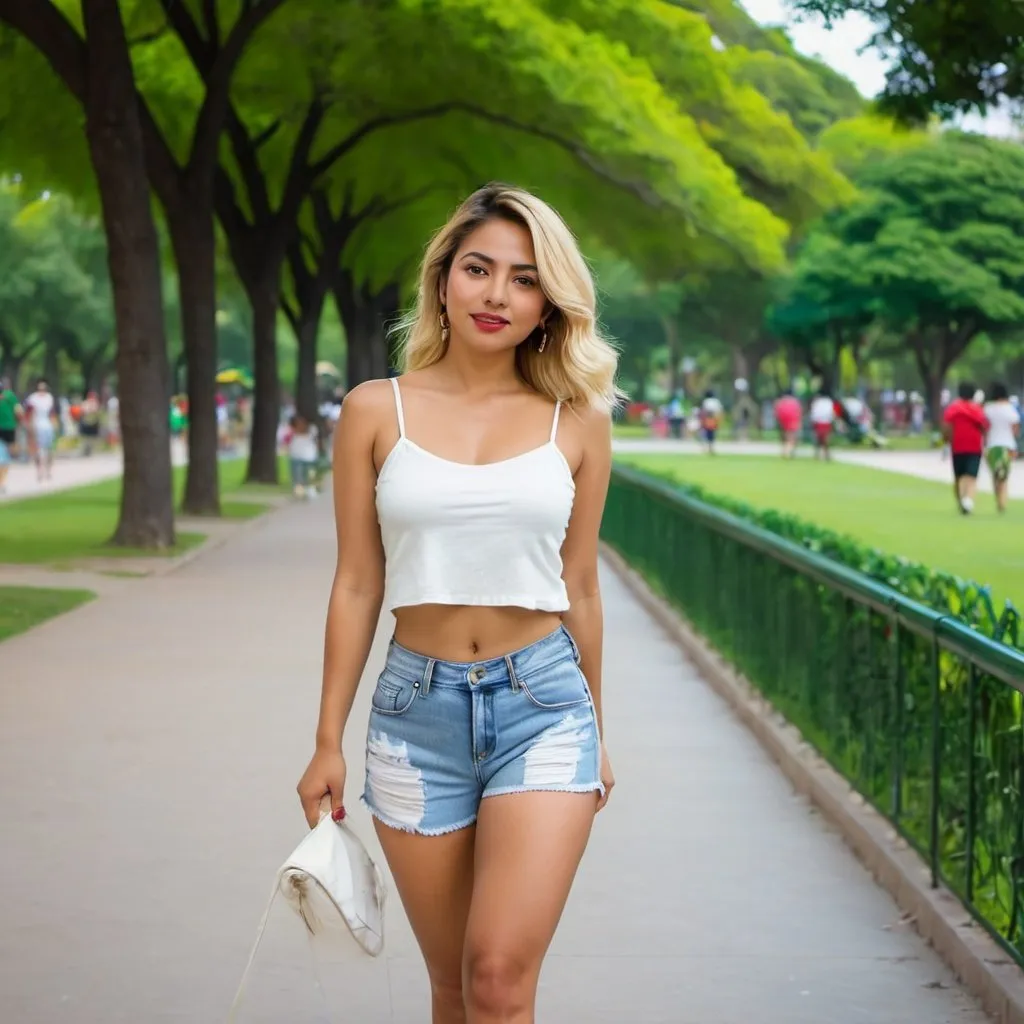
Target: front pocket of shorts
x,y
562,688
393,695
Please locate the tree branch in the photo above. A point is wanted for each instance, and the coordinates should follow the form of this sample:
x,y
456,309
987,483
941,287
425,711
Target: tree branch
x,y
639,189
46,28
216,65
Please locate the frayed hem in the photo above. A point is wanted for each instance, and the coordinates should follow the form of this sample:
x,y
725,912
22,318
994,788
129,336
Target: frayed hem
x,y
413,829
585,787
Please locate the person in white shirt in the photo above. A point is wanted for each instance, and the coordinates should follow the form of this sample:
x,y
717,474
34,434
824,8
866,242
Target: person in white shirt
x,y
823,415
42,413
710,417
302,451
1001,441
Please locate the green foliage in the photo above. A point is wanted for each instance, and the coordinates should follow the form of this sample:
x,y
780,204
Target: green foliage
x,y
932,249
54,286
947,55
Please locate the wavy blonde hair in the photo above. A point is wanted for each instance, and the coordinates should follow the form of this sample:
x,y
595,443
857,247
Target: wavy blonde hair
x,y
577,365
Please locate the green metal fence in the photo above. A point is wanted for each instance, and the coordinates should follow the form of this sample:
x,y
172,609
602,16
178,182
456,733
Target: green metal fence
x,y
922,714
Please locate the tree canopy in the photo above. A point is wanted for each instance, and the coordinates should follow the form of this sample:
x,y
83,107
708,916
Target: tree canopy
x,y
947,56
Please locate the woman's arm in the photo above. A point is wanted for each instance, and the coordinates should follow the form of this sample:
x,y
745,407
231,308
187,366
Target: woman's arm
x,y
584,619
356,593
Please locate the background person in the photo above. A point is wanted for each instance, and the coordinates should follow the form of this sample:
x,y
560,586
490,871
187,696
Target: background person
x,y
710,418
10,410
41,409
303,454
789,416
823,416
964,426
1001,440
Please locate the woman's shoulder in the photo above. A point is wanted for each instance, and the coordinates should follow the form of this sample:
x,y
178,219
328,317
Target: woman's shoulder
x,y
367,405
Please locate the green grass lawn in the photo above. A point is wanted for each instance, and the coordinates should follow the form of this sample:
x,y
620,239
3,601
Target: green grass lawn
x,y
22,608
77,523
898,514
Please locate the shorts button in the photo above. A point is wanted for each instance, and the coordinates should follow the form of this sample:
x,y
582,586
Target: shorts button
x,y
476,674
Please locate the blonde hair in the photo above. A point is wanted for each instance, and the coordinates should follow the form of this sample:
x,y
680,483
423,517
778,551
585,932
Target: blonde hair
x,y
577,365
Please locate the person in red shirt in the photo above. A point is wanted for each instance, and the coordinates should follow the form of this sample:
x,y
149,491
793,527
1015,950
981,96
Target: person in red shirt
x,y
788,415
964,427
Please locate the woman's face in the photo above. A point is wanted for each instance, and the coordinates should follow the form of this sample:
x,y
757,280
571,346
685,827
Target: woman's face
x,y
493,294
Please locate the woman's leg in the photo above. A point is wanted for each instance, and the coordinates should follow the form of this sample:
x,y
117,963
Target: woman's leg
x,y
434,878
528,847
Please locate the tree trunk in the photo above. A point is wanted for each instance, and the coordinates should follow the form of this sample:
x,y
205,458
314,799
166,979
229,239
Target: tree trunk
x,y
669,326
115,146
266,404
307,331
192,235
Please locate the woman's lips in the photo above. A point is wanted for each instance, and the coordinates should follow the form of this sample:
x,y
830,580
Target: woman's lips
x,y
488,324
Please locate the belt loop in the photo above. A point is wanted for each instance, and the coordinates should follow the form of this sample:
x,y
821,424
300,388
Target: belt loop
x,y
428,674
512,678
572,644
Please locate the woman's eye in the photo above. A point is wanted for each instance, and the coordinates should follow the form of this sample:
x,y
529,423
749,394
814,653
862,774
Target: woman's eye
x,y
526,281
473,268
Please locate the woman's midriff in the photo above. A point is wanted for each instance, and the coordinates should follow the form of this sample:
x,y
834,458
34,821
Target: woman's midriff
x,y
470,633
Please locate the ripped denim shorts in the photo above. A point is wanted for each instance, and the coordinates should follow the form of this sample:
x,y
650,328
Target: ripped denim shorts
x,y
445,734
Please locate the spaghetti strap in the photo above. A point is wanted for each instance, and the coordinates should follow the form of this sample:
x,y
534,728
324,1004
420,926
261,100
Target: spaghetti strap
x,y
398,407
554,422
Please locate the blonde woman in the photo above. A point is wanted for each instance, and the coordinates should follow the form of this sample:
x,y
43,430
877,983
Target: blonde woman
x,y
468,495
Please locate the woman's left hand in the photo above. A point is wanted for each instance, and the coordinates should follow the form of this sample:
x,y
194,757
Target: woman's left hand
x,y
607,777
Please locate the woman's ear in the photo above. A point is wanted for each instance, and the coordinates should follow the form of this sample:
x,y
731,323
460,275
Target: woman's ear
x,y
442,290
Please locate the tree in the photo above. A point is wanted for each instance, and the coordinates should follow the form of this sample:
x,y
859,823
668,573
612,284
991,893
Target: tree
x,y
590,125
934,249
947,56
96,67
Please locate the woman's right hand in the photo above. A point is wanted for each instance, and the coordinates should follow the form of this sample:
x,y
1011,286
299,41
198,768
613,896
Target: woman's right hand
x,y
325,776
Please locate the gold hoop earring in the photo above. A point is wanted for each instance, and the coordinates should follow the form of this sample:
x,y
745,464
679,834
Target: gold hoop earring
x,y
543,339
446,326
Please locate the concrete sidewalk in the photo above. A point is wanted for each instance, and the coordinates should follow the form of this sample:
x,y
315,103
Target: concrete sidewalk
x,y
150,743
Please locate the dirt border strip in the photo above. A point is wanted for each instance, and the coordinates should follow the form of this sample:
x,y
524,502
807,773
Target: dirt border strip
x,y
937,914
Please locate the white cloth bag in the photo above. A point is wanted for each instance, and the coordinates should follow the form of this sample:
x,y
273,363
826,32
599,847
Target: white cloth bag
x,y
329,877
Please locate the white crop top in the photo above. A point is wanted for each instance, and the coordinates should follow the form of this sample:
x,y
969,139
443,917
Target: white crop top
x,y
490,534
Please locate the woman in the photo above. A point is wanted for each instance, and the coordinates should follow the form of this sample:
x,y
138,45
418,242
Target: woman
x,y
1001,441
468,493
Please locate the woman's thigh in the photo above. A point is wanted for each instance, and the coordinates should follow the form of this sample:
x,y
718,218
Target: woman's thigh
x,y
434,879
528,848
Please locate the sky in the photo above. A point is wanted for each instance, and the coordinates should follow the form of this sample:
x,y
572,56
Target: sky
x,y
839,47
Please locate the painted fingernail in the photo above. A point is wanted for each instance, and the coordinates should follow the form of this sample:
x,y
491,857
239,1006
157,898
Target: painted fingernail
x,y
339,814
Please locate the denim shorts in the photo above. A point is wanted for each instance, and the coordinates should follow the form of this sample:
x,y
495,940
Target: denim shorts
x,y
445,734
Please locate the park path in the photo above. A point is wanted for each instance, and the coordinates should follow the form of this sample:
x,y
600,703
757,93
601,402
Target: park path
x,y
149,747
72,471
928,465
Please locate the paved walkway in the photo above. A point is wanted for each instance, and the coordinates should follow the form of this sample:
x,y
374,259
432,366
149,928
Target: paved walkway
x,y
150,743
72,471
929,465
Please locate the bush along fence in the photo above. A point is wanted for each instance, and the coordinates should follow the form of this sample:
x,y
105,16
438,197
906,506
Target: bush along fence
x,y
921,713
944,592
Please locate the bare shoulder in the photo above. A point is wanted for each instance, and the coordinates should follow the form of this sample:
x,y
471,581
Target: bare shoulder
x,y
592,425
367,405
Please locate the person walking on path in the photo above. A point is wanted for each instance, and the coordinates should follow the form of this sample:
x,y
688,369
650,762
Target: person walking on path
x,y
1001,441
10,410
823,416
964,426
710,417
42,417
468,495
789,417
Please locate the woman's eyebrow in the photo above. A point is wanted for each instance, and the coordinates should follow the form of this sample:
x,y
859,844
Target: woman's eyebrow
x,y
489,260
